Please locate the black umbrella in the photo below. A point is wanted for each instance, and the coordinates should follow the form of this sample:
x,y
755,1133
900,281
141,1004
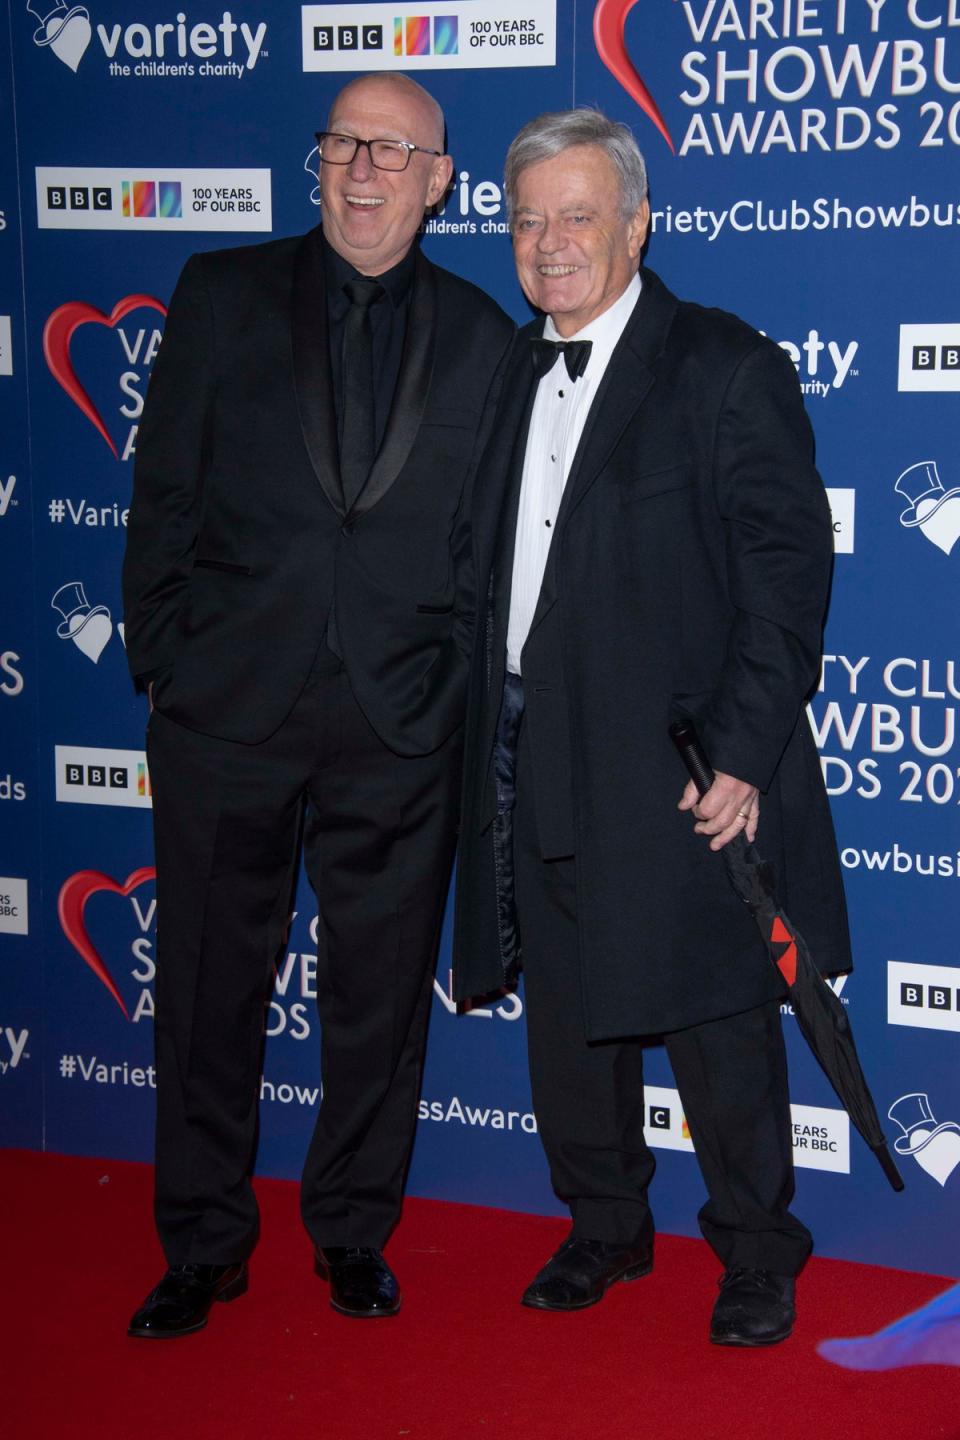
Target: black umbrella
x,y
820,1014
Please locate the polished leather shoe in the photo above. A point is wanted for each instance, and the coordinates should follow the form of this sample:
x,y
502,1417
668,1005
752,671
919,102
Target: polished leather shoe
x,y
179,1305
362,1284
754,1307
582,1271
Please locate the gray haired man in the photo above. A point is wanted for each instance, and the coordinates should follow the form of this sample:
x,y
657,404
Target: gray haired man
x,y
653,542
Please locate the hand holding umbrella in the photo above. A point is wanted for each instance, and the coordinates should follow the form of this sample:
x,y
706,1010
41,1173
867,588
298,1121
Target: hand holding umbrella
x,y
820,1014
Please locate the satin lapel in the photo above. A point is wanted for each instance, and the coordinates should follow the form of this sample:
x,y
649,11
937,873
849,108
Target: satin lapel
x,y
516,424
311,368
413,385
628,380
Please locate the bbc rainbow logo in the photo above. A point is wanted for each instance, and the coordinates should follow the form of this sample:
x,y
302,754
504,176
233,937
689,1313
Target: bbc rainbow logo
x,y
412,35
146,199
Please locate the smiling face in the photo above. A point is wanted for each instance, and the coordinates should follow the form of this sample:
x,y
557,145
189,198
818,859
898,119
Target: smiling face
x,y
371,216
574,250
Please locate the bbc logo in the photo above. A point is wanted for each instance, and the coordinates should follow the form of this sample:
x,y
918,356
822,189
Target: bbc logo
x,y
933,997
936,357
347,37
929,357
79,197
926,997
116,777
658,1117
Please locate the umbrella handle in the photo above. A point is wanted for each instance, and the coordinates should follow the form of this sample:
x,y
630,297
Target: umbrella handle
x,y
684,735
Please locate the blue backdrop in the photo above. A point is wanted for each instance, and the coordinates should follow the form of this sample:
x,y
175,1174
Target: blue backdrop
x,y
803,159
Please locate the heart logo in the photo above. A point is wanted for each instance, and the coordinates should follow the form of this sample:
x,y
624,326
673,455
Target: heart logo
x,y
93,637
71,902
609,25
70,42
941,1157
59,331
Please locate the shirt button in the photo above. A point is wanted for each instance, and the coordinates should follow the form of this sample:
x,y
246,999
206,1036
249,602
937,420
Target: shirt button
x,y
554,459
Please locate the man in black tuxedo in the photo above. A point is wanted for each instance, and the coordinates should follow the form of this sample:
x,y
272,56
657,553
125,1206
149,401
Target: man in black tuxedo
x,y
298,592
654,542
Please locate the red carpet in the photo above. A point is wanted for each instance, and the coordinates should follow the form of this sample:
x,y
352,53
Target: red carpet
x,y
463,1361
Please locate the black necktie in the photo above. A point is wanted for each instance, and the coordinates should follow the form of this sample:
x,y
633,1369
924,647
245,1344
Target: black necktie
x,y
359,434
544,353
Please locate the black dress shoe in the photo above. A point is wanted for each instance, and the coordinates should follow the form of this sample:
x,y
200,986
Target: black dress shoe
x,y
582,1271
755,1307
362,1284
181,1302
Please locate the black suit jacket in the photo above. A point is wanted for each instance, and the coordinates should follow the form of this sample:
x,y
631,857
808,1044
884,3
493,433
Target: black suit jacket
x,y
238,539
688,575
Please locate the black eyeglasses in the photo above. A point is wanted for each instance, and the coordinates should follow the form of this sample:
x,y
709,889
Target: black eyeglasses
x,y
337,149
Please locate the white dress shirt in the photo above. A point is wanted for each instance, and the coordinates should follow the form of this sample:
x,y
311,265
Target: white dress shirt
x,y
560,412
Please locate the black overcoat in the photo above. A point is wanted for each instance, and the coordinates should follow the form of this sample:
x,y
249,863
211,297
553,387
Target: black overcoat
x,y
688,575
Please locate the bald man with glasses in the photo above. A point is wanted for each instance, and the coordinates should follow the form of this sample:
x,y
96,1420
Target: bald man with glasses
x,y
298,592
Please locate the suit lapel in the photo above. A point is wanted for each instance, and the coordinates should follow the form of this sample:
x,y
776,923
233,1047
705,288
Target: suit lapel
x,y
627,382
311,368
413,385
496,517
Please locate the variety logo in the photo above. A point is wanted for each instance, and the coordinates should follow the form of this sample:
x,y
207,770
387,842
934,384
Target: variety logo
x,y
842,512
14,911
820,374
84,197
14,1042
11,789
12,680
936,1148
223,48
89,627
929,357
88,776
930,508
470,207
465,34
139,348
924,996
6,346
66,32
7,488
609,35
71,906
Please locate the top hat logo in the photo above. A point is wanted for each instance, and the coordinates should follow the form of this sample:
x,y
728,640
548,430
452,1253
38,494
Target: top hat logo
x,y
67,32
935,1147
89,627
935,510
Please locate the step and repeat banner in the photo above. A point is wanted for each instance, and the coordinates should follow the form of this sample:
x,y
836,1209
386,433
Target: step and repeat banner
x,y
803,158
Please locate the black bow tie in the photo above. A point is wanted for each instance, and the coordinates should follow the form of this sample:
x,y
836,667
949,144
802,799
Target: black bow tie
x,y
544,354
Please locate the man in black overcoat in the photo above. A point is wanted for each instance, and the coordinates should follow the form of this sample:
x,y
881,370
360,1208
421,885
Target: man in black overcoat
x,y
298,593
653,542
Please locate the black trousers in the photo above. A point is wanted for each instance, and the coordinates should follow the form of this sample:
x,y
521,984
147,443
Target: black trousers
x,y
589,1099
378,838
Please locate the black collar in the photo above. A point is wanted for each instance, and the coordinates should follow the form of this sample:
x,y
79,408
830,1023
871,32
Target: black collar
x,y
397,281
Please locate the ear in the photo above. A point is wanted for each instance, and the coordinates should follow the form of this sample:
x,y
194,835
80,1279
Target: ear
x,y
440,178
638,228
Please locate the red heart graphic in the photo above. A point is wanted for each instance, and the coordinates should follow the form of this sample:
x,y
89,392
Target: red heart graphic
x,y
59,331
609,24
74,894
